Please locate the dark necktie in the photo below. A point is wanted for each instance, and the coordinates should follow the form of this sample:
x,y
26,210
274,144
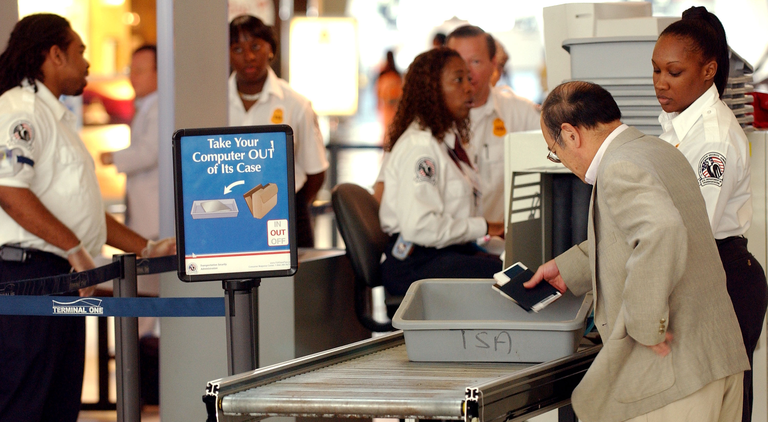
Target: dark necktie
x,y
459,153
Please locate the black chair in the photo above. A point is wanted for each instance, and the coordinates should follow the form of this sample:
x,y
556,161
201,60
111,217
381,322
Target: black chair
x,y
357,216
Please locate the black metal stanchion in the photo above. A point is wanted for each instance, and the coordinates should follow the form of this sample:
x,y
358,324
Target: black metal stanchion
x,y
241,302
127,346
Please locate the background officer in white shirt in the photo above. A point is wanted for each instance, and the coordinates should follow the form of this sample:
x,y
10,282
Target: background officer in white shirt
x,y
139,163
52,218
142,194
495,113
258,97
139,160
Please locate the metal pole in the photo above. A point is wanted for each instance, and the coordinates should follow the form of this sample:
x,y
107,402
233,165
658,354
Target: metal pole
x,y
127,346
241,301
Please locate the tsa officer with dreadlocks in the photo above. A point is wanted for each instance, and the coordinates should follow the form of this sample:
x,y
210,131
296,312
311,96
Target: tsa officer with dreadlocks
x,y
52,218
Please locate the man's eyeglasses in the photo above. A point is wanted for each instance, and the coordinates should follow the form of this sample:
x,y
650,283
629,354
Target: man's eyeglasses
x,y
551,156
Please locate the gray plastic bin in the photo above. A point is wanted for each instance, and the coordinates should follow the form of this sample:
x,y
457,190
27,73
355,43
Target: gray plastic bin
x,y
609,57
465,320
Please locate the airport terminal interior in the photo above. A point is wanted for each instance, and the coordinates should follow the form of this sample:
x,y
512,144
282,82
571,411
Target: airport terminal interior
x,y
316,309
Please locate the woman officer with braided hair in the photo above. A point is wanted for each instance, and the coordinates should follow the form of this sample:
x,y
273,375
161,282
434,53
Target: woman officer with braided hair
x,y
430,206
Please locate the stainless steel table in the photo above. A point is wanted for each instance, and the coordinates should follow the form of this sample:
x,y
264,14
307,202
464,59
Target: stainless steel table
x,y
375,379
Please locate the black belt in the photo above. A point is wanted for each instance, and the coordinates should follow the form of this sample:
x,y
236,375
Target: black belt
x,y
727,240
70,282
20,254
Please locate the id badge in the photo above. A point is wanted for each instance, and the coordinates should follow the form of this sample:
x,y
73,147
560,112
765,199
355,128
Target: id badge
x,y
9,162
402,248
474,181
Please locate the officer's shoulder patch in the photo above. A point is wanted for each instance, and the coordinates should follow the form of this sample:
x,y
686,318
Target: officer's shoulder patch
x,y
22,133
426,170
711,169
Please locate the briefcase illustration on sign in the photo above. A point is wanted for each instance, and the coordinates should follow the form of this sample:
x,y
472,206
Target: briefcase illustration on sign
x,y
261,199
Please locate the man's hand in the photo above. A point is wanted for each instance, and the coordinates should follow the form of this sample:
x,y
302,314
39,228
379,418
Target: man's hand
x,y
81,260
549,272
663,348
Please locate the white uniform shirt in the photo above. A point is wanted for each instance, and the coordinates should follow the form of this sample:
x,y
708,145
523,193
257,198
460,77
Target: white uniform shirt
x,y
427,198
712,140
280,104
63,177
503,113
139,163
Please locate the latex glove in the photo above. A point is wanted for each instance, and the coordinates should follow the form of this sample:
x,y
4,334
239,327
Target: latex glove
x,y
166,246
81,260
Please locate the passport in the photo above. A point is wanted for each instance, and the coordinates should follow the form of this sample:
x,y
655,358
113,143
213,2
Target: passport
x,y
509,283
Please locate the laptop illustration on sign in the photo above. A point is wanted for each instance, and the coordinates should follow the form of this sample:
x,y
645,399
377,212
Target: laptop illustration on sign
x,y
214,209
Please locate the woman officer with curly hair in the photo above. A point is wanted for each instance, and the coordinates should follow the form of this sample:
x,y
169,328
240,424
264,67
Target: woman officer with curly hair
x,y
431,191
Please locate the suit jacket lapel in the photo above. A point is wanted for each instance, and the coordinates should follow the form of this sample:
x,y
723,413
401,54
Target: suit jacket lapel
x,y
628,135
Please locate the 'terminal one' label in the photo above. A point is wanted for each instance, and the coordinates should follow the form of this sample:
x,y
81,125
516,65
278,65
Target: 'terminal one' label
x,y
84,306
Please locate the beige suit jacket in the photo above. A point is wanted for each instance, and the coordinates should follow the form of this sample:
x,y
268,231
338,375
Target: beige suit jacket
x,y
652,263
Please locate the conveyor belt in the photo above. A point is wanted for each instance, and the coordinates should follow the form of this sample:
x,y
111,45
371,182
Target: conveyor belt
x,y
374,378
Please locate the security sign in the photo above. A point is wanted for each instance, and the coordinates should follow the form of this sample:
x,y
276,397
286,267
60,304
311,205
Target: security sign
x,y
235,202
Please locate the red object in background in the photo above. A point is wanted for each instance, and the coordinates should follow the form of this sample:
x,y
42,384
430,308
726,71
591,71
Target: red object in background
x,y
120,110
761,110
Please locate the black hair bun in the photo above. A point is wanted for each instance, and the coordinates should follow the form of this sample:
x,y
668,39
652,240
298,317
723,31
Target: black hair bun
x,y
696,12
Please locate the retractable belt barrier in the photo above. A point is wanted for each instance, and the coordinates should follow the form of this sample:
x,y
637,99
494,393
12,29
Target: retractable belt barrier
x,y
45,296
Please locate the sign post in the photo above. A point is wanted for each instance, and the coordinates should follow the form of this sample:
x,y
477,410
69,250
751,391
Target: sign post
x,y
235,219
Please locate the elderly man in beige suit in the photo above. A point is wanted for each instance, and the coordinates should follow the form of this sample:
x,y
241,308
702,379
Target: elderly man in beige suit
x,y
672,350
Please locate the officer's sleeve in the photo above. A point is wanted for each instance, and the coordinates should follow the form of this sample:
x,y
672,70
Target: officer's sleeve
x,y
718,167
526,115
310,149
384,159
421,207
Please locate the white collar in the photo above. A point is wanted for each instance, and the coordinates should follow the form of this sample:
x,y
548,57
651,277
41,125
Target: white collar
x,y
58,109
684,121
271,87
591,175
490,106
